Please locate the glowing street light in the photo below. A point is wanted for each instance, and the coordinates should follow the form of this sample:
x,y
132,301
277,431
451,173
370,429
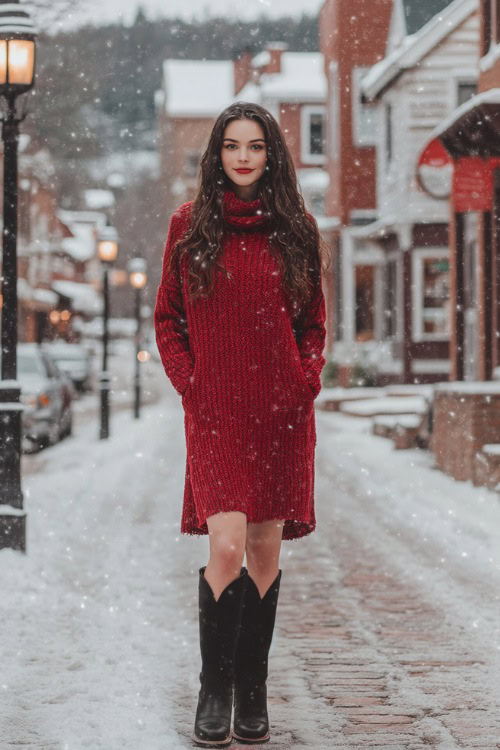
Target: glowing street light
x,y
138,279
107,251
17,76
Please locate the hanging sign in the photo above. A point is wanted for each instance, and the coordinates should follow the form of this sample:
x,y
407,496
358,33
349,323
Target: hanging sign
x,y
435,170
473,184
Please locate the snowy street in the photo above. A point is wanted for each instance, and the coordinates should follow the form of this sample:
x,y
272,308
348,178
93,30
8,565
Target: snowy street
x,y
387,630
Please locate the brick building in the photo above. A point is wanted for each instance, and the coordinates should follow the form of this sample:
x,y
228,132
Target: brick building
x,y
58,274
352,38
291,85
193,93
422,78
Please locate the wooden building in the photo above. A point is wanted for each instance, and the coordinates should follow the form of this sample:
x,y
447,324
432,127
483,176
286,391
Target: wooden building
x,y
423,77
463,152
352,39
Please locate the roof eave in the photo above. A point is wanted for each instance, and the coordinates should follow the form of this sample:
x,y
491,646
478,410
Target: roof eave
x,y
474,128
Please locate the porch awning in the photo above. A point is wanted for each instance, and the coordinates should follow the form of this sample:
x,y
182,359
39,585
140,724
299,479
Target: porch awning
x,y
376,229
473,129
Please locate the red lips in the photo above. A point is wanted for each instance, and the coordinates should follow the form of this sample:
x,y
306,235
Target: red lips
x,y
244,171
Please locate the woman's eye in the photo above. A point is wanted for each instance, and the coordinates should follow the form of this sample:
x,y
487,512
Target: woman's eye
x,y
257,147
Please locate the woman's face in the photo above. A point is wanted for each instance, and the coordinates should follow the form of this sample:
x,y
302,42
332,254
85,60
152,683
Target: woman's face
x,y
244,154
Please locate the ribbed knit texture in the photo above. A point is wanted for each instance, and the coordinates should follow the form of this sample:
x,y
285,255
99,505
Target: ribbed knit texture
x,y
247,386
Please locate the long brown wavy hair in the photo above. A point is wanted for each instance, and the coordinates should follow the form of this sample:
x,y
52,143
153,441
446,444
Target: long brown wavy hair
x,y
295,240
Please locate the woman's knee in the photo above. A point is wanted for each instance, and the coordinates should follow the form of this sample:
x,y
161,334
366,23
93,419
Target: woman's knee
x,y
263,545
227,535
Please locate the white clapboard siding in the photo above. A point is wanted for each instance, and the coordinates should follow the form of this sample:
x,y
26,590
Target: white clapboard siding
x,y
422,98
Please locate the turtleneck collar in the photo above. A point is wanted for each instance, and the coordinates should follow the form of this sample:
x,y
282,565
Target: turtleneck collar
x,y
247,216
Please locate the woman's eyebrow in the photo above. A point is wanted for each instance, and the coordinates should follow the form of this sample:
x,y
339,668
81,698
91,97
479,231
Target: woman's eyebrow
x,y
253,141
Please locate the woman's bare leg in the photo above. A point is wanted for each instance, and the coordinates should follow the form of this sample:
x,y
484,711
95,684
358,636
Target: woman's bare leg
x,y
227,536
263,546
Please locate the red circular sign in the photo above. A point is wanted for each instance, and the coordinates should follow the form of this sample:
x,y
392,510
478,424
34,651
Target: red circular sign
x,y
435,170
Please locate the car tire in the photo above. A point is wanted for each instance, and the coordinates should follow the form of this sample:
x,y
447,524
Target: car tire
x,y
53,435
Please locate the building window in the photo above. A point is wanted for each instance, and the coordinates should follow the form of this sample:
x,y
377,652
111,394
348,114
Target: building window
x,y
431,294
471,294
391,302
364,116
365,303
191,163
388,132
313,135
465,91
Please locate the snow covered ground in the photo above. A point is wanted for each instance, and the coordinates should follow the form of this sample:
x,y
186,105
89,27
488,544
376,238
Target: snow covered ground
x,y
99,644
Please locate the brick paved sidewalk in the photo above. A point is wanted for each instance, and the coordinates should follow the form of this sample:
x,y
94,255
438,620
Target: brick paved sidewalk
x,y
385,658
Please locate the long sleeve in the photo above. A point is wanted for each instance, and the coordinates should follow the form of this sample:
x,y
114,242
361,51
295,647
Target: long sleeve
x,y
312,340
170,316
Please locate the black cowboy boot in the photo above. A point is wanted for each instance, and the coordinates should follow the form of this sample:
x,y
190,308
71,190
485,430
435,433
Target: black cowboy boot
x,y
251,722
219,629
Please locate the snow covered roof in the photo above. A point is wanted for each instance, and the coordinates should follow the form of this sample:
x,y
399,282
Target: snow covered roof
x,y
197,88
81,217
83,226
313,179
416,46
96,198
302,78
472,387
263,58
84,297
45,296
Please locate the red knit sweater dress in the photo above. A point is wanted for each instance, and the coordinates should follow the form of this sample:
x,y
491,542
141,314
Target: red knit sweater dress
x,y
247,386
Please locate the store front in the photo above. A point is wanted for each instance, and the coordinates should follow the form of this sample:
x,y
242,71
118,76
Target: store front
x,y
471,141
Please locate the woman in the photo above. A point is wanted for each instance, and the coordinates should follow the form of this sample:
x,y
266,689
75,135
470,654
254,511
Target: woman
x,y
239,322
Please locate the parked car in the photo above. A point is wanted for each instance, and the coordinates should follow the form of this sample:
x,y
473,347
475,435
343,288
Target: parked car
x,y
46,395
74,360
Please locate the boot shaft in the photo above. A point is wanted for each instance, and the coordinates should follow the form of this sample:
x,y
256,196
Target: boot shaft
x,y
256,632
220,623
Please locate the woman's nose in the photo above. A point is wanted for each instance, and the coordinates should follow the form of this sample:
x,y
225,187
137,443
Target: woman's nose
x,y
243,155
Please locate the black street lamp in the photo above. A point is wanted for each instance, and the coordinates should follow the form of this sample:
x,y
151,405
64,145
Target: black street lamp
x,y
107,250
17,76
138,279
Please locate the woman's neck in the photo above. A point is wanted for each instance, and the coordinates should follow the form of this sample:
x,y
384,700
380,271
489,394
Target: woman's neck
x,y
245,192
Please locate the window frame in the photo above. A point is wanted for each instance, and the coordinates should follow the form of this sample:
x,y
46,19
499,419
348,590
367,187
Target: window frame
x,y
357,106
419,254
464,79
388,133
305,133
189,153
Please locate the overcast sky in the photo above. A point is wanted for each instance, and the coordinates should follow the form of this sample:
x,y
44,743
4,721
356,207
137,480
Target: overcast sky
x,y
102,11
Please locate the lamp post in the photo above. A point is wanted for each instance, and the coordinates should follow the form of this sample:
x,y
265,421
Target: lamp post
x,y
17,76
107,250
138,279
